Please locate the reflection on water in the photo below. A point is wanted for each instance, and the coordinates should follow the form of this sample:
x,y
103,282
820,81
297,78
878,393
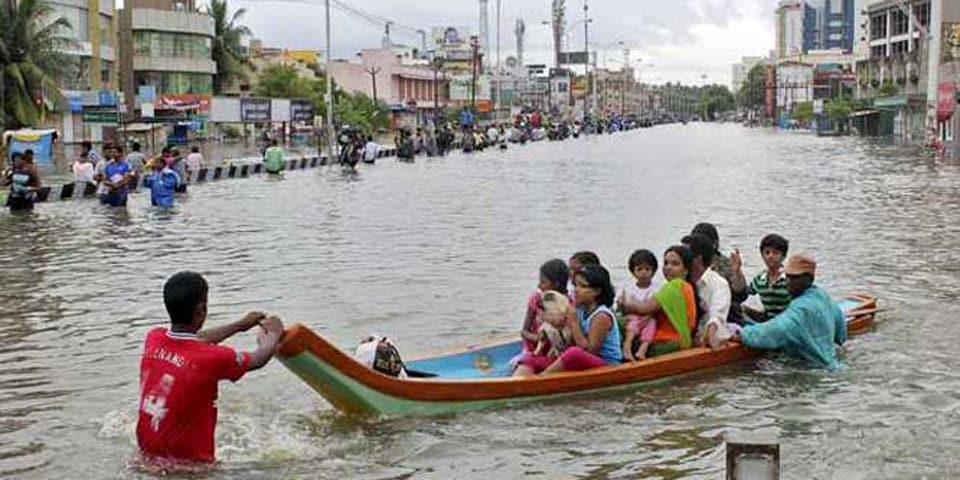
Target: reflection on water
x,y
443,252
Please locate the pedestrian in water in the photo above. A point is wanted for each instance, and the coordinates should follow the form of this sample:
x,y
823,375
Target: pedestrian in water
x,y
274,159
181,367
116,177
83,171
179,165
370,150
162,182
137,160
24,182
194,162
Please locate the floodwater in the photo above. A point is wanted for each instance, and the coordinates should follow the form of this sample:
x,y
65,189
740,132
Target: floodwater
x,y
443,252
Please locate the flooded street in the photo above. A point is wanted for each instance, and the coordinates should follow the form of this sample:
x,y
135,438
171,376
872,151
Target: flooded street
x,y
444,252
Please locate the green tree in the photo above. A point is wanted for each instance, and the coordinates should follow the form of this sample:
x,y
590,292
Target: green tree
x,y
888,89
30,46
715,99
227,44
802,112
284,81
752,94
838,110
359,110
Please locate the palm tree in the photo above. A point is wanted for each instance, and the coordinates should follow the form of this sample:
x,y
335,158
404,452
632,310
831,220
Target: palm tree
x,y
227,49
31,60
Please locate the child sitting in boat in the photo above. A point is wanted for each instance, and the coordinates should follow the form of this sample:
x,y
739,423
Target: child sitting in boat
x,y
770,285
553,277
554,335
642,265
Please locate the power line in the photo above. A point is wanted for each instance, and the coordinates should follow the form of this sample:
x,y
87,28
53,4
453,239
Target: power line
x,y
355,12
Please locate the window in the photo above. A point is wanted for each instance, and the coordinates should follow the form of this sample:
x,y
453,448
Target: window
x,y
163,44
899,22
922,13
77,17
76,73
899,48
105,74
878,51
878,26
176,82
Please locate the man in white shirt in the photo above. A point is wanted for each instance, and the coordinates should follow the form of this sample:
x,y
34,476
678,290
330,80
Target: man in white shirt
x,y
713,290
194,161
370,150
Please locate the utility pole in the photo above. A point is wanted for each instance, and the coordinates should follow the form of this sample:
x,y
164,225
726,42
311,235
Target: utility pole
x,y
496,90
373,71
586,60
436,62
330,132
475,46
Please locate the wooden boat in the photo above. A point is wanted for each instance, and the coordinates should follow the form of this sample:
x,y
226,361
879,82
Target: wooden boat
x,y
479,377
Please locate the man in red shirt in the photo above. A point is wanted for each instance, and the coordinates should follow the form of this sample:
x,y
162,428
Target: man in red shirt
x,y
181,367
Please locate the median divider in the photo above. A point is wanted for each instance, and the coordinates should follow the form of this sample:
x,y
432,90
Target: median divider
x,y
72,191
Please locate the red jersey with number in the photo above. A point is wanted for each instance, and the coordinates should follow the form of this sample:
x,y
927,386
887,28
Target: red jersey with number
x,y
178,393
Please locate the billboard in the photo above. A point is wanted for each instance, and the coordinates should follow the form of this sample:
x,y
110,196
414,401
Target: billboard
x,y
450,38
301,111
255,109
572,58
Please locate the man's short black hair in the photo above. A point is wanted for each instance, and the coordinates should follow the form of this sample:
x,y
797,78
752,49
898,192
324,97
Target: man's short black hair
x,y
700,246
182,293
775,242
709,231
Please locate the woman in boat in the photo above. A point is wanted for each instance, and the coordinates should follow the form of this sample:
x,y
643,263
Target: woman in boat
x,y
674,305
553,276
596,335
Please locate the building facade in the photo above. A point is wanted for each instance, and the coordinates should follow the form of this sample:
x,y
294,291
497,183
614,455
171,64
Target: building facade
x,y
90,81
798,27
409,88
893,72
616,92
837,25
167,59
306,62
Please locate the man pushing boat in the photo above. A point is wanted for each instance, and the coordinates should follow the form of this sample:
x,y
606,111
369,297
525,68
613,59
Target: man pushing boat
x,y
182,365
812,326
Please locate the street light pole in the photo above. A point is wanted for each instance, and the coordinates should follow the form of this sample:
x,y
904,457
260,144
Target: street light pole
x,y
496,90
330,133
586,60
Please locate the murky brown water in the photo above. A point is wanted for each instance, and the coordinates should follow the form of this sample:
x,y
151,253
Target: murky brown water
x,y
443,252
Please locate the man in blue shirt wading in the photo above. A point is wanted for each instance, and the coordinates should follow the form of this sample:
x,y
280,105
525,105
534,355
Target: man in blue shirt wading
x,y
811,328
117,175
163,183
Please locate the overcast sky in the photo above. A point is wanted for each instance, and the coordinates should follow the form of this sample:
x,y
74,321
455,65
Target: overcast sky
x,y
674,39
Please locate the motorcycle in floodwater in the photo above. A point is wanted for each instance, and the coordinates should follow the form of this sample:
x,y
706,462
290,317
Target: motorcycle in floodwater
x,y
351,148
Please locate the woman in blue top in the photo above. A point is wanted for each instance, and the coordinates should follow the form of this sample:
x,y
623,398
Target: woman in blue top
x,y
593,328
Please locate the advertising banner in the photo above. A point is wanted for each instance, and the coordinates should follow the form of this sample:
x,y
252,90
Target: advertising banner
x,y
253,110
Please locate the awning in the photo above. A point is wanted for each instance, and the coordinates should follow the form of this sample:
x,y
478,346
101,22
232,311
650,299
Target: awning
x,y
863,113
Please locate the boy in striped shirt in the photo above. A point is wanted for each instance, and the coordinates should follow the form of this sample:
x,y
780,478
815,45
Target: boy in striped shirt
x,y
770,285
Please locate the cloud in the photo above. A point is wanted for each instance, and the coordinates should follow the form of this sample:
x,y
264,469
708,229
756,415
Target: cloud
x,y
674,33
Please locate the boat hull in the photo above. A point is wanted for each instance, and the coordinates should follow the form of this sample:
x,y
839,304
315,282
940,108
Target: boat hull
x,y
355,389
